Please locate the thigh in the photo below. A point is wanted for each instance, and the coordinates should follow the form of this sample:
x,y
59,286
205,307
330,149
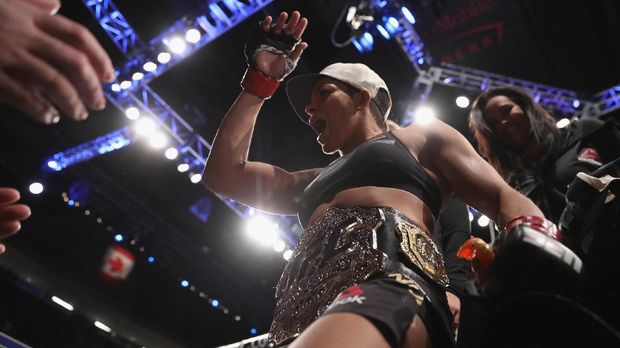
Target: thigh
x,y
341,330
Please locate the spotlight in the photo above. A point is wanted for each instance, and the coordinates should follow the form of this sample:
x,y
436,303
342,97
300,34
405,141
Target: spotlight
x,y
262,230
215,303
145,126
383,31
171,153
53,165
149,66
408,15
183,167
158,140
184,283
137,76
177,45
279,246
125,84
103,326
424,115
253,331
118,237
150,259
35,188
562,123
192,36
287,254
576,103
164,57
115,87
195,178
237,318
132,113
462,101
64,304
483,221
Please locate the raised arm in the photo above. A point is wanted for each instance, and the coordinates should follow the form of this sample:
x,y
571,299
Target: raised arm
x,y
228,171
472,178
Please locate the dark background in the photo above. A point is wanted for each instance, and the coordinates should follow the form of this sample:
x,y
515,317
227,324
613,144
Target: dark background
x,y
137,192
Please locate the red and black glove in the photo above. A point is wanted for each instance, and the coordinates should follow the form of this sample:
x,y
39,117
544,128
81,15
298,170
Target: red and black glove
x,y
526,256
255,81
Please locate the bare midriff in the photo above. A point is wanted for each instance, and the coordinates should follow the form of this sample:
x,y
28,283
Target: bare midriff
x,y
374,196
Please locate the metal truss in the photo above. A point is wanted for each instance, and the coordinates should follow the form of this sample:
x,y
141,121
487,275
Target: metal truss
x,y
114,24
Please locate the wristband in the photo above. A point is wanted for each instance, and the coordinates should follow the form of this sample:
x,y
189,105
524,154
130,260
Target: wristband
x,y
537,223
259,84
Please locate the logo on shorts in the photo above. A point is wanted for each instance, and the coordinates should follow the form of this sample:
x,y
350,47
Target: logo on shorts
x,y
353,294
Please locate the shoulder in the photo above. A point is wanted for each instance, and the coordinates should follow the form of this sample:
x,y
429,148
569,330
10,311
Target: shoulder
x,y
427,133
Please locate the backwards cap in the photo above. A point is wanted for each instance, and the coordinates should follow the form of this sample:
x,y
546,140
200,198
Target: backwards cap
x,y
357,75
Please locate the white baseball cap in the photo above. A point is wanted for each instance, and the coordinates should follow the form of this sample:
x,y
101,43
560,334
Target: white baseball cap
x,y
357,75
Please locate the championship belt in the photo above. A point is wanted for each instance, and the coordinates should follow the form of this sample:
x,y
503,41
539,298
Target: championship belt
x,y
344,247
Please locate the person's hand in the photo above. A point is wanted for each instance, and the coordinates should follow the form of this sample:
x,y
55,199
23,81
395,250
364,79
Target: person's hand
x,y
49,63
272,64
10,213
455,307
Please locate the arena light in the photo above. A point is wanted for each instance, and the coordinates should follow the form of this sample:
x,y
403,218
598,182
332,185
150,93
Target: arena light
x,y
164,57
576,103
287,254
262,230
53,165
149,66
383,31
462,101
158,140
253,331
132,113
102,326
408,15
483,221
62,303
184,283
35,188
424,115
195,178
125,84
215,303
118,237
171,153
150,259
279,246
145,126
562,123
192,36
183,167
176,45
115,87
137,76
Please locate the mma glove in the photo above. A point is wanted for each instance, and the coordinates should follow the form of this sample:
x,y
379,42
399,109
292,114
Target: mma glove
x,y
255,81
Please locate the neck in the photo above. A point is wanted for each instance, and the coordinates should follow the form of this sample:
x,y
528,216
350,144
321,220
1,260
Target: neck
x,y
365,132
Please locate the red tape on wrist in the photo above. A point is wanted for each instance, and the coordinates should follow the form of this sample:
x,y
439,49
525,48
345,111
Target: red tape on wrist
x,y
259,84
538,223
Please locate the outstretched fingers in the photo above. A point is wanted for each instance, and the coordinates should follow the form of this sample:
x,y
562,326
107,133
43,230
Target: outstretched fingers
x,y
300,28
299,49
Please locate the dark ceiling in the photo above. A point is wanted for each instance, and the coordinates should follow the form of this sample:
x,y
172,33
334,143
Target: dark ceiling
x,y
136,191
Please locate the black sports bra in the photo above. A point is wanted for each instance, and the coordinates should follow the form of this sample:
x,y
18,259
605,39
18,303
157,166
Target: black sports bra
x,y
382,161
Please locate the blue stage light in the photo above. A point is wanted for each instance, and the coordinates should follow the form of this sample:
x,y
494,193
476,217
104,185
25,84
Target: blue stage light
x,y
383,31
253,331
184,283
150,259
215,303
118,237
408,15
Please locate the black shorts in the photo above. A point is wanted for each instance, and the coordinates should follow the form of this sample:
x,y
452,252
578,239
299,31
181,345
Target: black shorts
x,y
391,302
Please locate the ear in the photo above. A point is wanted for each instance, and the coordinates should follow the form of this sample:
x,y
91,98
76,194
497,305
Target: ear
x,y
364,100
